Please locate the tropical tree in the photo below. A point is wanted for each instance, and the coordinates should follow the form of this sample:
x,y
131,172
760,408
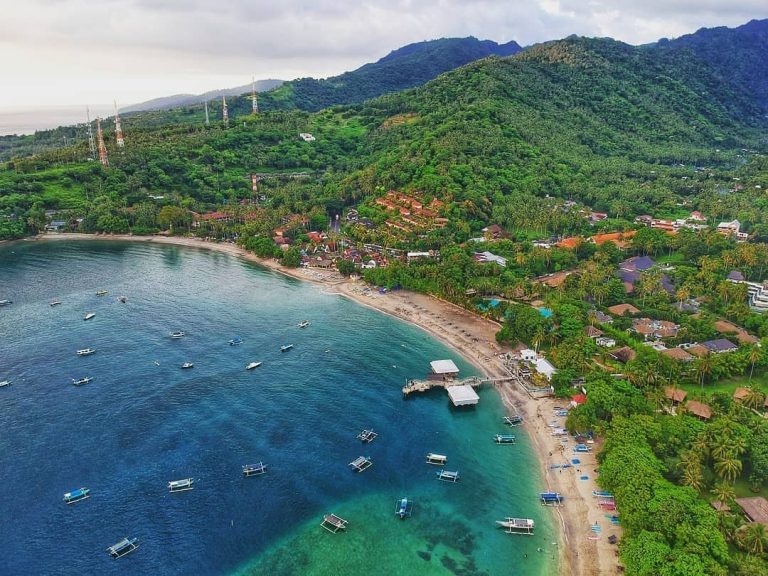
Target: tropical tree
x,y
724,492
753,357
728,468
752,538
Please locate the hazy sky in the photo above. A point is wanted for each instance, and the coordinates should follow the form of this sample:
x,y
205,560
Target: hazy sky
x,y
94,51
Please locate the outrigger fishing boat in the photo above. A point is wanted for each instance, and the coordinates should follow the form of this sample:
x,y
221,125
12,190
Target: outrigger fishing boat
x,y
504,439
515,420
77,495
333,523
5,383
178,334
367,436
437,459
55,302
303,323
550,498
254,469
88,316
180,485
447,476
361,463
125,546
102,293
253,365
517,525
85,352
187,365
286,347
404,508
236,341
82,381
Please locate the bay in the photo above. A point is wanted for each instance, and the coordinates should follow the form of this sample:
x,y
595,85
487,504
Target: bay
x,y
144,421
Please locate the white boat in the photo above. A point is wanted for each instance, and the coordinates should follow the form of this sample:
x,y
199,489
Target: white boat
x,y
5,383
236,341
85,352
102,293
89,316
187,365
286,347
178,334
125,546
517,525
82,381
253,365
180,485
303,323
254,469
5,302
55,302
122,299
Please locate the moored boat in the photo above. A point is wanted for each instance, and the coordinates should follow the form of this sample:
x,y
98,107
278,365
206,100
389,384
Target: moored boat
x,y
77,495
122,299
404,508
101,293
254,469
55,302
85,352
82,381
187,365
517,525
303,323
89,315
515,420
448,476
437,459
286,347
361,463
504,439
178,334
333,523
236,341
367,436
5,383
253,365
180,485
5,302
125,546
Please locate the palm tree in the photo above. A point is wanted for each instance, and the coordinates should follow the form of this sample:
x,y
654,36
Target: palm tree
x,y
754,399
691,466
754,357
752,538
704,367
724,492
728,468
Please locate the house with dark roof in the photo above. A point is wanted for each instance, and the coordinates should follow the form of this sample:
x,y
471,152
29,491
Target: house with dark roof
x,y
593,332
735,276
601,317
720,345
624,354
631,269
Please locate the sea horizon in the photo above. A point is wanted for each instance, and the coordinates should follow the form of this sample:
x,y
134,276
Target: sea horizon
x,y
24,120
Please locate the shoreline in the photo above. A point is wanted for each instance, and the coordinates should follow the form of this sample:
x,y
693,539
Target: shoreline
x,y
473,338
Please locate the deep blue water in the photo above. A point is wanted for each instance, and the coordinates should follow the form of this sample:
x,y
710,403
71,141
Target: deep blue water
x,y
143,421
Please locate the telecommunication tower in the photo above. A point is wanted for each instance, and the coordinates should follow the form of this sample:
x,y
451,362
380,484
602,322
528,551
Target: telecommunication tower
x,y
102,149
224,111
207,120
254,101
91,141
118,129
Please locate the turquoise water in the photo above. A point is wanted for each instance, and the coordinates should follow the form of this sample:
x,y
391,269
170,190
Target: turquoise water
x,y
143,421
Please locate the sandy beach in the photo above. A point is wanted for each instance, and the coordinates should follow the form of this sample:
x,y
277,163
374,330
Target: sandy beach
x,y
583,551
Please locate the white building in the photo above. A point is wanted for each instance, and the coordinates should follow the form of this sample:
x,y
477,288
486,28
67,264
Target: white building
x,y
307,137
545,368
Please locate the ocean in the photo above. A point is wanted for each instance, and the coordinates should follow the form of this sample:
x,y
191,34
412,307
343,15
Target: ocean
x,y
143,421
27,121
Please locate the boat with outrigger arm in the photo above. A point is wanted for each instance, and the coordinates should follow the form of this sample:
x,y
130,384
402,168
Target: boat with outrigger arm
x,y
447,476
404,508
333,523
367,436
102,293
436,459
125,546
361,463
303,323
286,347
88,316
252,365
85,352
515,420
181,485
5,383
504,439
236,341
254,469
178,334
81,381
517,525
77,495
187,365
551,498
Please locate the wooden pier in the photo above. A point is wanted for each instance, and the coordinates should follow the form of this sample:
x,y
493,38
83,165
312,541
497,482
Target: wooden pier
x,y
425,385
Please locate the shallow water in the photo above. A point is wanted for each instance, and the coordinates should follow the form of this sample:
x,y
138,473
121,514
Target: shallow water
x,y
143,421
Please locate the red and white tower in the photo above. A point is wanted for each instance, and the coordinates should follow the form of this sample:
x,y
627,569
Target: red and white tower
x,y
224,111
102,149
91,140
254,102
118,129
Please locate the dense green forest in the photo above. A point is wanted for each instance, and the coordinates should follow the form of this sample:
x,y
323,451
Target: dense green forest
x,y
532,143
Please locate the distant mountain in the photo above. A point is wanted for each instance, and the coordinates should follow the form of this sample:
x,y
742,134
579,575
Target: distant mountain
x,y
168,102
738,56
406,67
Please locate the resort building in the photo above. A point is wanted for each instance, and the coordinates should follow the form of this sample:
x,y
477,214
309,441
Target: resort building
x,y
720,346
545,368
702,411
676,395
623,309
755,509
483,257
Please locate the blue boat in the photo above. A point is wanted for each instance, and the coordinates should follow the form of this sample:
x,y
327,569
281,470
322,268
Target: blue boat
x,y
582,448
236,341
77,495
550,498
404,508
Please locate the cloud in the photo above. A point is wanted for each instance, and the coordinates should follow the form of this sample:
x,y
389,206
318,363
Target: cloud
x,y
130,42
